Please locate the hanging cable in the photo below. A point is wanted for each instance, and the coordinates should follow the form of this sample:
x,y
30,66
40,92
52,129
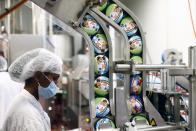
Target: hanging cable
x,y
191,16
11,9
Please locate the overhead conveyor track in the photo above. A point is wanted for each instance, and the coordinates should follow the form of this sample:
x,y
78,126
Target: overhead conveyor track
x,y
97,96
77,11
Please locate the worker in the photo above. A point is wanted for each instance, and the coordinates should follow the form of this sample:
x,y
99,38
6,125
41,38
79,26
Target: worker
x,y
39,69
8,89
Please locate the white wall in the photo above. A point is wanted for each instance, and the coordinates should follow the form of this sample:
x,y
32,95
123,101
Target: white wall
x,y
60,44
21,43
166,24
63,46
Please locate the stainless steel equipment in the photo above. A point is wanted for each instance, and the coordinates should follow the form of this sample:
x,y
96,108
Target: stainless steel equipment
x,y
77,10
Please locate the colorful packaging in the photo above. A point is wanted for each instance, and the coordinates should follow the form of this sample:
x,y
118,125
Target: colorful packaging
x,y
136,59
129,26
136,85
100,43
103,5
104,123
101,64
135,45
102,86
114,12
102,107
137,118
136,104
89,25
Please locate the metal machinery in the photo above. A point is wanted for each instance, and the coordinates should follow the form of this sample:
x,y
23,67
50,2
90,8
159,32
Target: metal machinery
x,y
75,13
4,46
172,70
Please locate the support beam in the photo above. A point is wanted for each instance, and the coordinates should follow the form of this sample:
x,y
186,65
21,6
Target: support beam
x,y
192,97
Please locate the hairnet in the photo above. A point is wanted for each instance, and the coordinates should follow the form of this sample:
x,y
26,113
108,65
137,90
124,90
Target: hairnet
x,y
35,60
3,64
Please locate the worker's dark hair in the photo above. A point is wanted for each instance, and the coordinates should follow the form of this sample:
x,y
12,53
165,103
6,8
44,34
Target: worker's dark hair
x,y
29,81
2,53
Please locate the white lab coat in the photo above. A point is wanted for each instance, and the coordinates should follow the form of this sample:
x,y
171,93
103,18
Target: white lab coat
x,y
26,114
8,90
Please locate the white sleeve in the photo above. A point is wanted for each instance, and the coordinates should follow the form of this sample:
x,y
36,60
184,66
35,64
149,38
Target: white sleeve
x,y
23,124
32,125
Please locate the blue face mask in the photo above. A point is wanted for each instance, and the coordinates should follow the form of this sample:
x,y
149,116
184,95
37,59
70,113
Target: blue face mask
x,y
48,92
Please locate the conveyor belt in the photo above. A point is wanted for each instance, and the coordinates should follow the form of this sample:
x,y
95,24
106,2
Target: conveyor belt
x,y
74,13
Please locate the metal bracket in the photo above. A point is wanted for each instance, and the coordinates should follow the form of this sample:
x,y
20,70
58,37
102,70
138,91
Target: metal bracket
x,y
121,113
180,72
82,13
124,67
